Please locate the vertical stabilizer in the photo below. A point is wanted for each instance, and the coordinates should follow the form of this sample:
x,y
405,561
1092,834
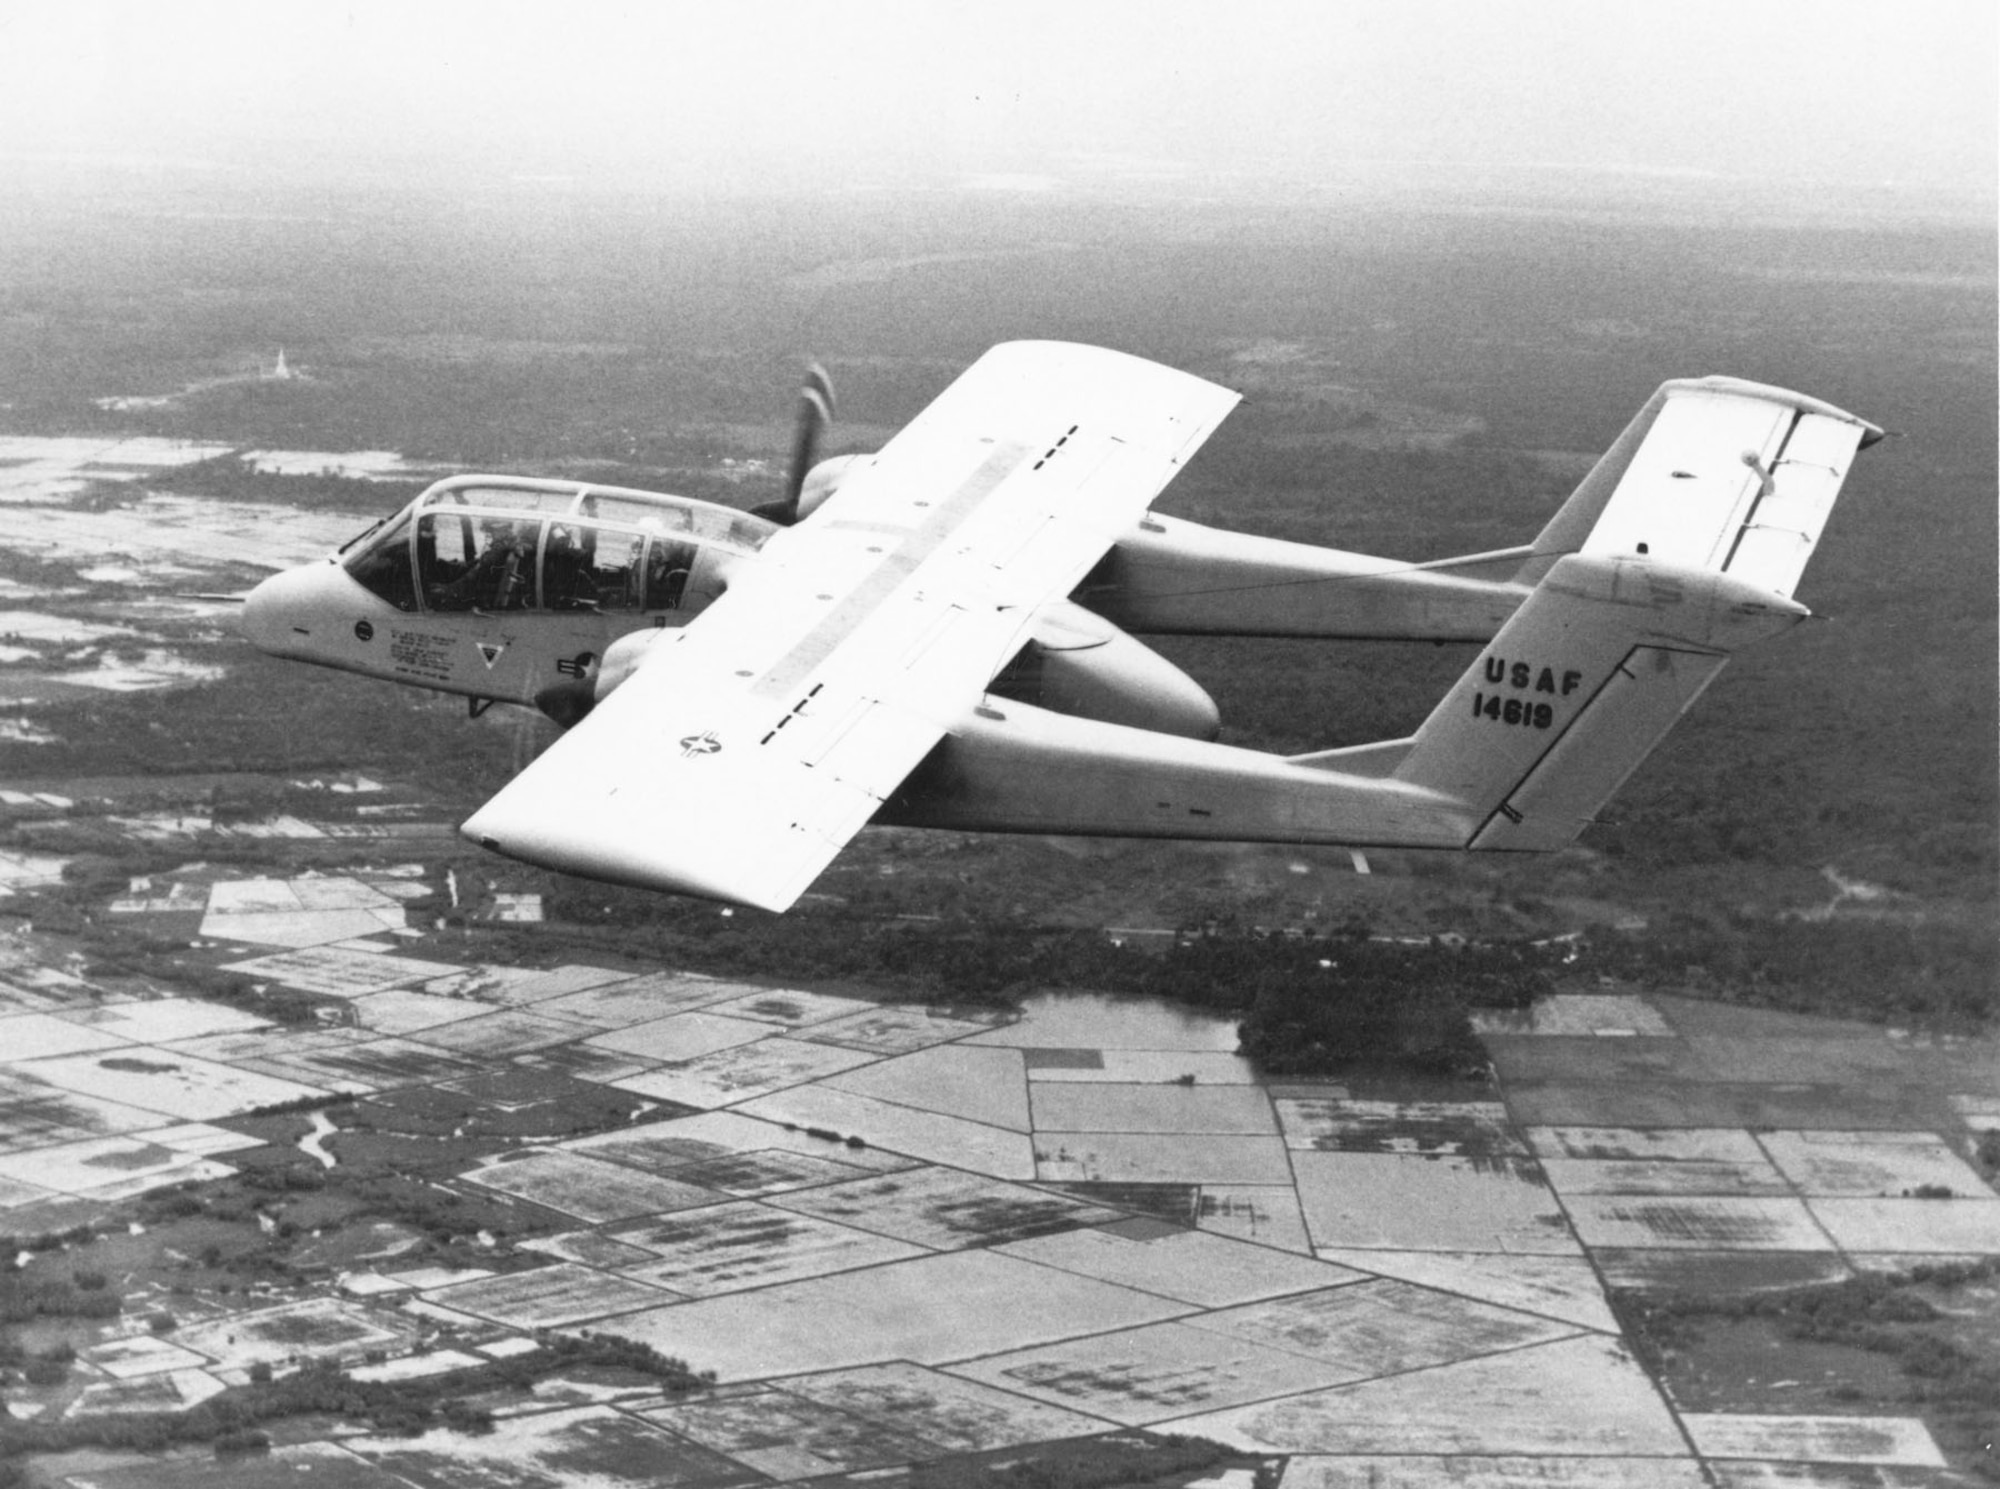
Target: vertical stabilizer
x,y
1578,687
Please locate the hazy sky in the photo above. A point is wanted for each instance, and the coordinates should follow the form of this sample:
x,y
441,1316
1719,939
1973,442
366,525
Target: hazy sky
x,y
1840,91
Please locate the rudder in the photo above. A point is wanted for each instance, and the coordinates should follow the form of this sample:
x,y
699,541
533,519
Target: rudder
x,y
1713,472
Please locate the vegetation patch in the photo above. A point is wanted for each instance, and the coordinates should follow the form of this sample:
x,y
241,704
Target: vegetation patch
x,y
323,1389
1931,974
1122,1460
53,1240
1914,1323
232,478
22,1298
1307,1004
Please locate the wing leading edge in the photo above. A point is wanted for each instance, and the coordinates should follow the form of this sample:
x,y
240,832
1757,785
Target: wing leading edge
x,y
750,746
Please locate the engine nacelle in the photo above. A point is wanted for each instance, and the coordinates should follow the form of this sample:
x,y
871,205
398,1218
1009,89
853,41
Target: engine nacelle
x,y
569,702
1081,665
1075,664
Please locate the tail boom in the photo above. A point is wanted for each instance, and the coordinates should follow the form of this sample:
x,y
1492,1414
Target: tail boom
x,y
1569,698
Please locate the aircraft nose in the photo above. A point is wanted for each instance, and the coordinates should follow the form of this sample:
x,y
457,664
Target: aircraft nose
x,y
278,616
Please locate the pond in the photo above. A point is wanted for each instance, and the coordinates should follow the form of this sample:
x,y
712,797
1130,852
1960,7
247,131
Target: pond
x,y
1071,1020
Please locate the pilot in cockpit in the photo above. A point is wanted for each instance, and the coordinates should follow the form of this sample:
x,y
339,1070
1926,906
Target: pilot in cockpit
x,y
569,568
668,566
501,577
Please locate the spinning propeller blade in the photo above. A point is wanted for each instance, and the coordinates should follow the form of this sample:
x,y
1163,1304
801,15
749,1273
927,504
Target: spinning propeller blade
x,y
815,413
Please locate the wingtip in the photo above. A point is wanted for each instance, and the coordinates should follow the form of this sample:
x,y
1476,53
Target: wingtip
x,y
607,860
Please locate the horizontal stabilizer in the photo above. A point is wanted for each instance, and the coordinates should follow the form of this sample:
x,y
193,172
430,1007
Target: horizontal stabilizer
x,y
1714,473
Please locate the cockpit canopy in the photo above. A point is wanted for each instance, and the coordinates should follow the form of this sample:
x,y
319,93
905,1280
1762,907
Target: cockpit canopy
x,y
500,543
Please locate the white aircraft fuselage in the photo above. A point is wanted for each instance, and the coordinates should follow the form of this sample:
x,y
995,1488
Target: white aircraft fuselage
x,y
593,570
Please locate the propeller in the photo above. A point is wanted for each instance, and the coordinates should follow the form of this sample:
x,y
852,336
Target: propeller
x,y
815,413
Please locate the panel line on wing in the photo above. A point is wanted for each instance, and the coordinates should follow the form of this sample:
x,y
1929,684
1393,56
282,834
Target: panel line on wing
x,y
865,598
854,525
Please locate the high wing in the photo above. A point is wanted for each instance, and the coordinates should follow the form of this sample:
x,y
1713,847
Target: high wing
x,y
752,744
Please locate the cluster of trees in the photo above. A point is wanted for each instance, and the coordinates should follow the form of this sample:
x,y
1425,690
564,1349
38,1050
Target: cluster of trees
x,y
264,1191
233,478
1307,1004
1933,974
1936,971
46,1367
324,1388
1122,1460
83,1296
1316,1004
12,1246
1884,1313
